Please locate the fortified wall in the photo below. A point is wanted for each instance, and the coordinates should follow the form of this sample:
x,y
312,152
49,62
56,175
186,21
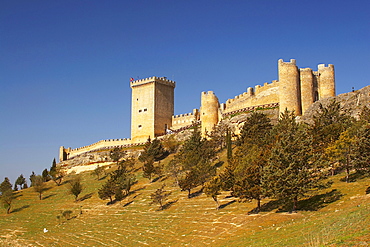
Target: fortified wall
x,y
259,95
295,90
68,153
153,104
183,120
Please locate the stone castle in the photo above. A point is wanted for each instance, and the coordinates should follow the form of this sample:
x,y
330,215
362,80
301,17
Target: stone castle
x,y
152,104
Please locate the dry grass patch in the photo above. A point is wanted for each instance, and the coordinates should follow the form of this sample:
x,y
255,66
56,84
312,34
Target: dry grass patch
x,y
195,222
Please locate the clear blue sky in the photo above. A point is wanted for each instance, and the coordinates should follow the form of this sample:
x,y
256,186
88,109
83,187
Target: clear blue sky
x,y
65,64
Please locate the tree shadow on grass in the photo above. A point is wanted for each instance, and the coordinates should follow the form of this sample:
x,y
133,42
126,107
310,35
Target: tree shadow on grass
x,y
136,190
353,177
103,177
169,204
271,205
128,203
85,197
156,179
112,202
48,196
316,202
18,195
20,209
219,164
313,203
196,193
226,204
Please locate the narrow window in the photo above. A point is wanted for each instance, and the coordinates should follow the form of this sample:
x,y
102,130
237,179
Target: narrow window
x,y
139,110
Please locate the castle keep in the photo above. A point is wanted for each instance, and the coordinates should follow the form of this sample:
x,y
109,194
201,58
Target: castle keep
x,y
152,104
152,107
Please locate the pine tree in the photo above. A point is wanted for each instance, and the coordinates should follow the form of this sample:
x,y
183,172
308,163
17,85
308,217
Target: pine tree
x,y
213,188
248,173
153,150
120,180
343,151
123,180
116,154
7,194
173,169
32,177
56,173
108,190
98,171
148,169
53,165
5,185
254,129
7,199
291,170
45,175
229,145
251,157
160,196
219,136
361,161
328,123
188,182
227,175
195,158
21,181
75,186
38,185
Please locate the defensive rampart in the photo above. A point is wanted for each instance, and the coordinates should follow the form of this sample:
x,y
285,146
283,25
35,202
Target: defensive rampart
x,y
183,120
68,153
259,95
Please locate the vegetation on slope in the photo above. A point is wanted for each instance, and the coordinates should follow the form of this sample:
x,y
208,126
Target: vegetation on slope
x,y
274,165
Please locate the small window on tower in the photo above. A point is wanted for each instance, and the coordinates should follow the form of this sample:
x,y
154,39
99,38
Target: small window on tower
x,y
140,126
139,110
145,109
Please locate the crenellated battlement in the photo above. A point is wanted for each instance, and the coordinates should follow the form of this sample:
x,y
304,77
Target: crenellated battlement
x,y
183,115
291,62
252,94
68,153
162,80
210,93
323,66
108,142
305,70
182,120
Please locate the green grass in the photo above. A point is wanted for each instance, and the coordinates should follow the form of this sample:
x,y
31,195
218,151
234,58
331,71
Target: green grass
x,y
329,218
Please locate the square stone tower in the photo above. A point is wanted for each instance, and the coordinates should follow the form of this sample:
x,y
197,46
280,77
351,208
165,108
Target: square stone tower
x,y
152,107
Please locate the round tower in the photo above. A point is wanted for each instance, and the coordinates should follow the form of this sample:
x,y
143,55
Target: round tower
x,y
307,88
289,90
326,81
208,111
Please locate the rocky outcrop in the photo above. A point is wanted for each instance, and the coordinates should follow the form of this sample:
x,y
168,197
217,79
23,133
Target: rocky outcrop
x,y
94,158
352,103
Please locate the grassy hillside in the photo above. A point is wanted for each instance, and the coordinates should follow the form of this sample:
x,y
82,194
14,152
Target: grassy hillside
x,y
339,216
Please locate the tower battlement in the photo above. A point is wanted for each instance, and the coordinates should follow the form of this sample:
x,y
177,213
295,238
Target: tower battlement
x,y
323,66
291,62
162,80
